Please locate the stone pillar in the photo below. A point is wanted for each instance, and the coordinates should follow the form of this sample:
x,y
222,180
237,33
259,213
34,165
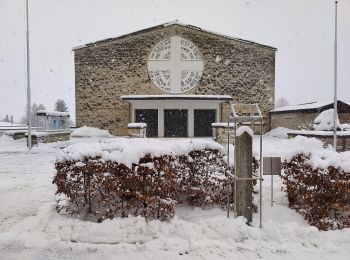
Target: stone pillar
x,y
220,132
243,168
137,130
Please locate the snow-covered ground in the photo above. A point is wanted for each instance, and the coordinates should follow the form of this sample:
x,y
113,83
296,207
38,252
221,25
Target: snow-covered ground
x,y
30,228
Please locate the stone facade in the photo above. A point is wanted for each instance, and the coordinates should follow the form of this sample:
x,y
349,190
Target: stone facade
x,y
108,69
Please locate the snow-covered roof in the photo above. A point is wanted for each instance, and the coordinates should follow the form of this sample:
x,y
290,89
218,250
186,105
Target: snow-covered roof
x,y
176,97
176,22
51,113
306,106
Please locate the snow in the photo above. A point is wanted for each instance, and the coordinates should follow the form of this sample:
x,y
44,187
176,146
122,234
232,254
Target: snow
x,y
345,127
280,132
31,229
52,113
128,151
311,105
8,124
324,121
45,133
222,124
90,132
244,129
319,133
137,125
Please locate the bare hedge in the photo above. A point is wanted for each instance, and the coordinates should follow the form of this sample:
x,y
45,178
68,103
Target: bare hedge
x,y
321,196
96,189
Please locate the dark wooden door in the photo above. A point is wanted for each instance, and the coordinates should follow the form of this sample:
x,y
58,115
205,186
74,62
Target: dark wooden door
x,y
175,123
203,118
150,117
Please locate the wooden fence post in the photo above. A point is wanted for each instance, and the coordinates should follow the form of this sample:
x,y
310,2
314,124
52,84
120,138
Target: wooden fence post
x,y
243,168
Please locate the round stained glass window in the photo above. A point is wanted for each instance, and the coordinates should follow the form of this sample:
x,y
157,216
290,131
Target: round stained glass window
x,y
175,65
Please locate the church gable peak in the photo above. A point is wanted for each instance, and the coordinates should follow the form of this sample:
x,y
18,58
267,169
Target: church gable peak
x,y
174,23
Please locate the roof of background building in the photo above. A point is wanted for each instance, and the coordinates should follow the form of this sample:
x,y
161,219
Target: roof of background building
x,y
51,113
309,107
176,22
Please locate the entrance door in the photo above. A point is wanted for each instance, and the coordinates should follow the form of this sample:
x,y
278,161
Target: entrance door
x,y
175,123
203,118
150,117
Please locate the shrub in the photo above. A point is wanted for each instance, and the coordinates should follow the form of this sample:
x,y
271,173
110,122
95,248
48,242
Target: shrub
x,y
321,196
96,189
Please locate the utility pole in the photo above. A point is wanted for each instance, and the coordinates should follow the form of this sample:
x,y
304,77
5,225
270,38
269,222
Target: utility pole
x,y
335,114
29,114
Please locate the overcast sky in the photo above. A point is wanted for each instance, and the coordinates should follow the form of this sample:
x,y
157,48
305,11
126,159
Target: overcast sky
x,y
302,30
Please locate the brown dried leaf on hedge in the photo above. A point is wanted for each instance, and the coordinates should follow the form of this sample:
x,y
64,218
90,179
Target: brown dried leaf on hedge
x,y
321,196
98,189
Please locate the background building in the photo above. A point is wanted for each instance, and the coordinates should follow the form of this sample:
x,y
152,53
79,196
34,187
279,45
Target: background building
x,y
177,78
303,116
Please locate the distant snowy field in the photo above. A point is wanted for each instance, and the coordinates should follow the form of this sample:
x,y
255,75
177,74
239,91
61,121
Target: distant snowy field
x,y
30,228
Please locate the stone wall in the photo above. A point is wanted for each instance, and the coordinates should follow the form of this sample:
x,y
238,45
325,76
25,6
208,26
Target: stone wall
x,y
106,70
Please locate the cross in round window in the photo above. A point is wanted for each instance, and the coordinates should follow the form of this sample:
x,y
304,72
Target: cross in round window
x,y
175,65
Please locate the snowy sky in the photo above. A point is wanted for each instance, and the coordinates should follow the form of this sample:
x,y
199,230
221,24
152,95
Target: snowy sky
x,y
302,30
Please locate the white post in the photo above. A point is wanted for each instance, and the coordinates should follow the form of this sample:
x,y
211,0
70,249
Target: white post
x,y
335,114
29,114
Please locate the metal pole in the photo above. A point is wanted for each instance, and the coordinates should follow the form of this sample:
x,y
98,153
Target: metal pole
x,y
260,193
29,114
235,169
272,190
228,166
335,114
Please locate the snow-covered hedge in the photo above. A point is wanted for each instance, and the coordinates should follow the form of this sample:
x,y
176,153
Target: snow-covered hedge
x,y
97,189
318,187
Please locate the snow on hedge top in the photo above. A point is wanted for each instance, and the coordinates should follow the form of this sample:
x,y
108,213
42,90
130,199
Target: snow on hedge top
x,y
324,121
244,129
129,151
319,157
90,132
325,158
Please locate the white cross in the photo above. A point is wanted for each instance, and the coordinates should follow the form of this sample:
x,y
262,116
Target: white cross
x,y
175,64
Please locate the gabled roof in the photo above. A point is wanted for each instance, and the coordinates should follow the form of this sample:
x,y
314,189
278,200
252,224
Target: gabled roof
x,y
312,107
176,23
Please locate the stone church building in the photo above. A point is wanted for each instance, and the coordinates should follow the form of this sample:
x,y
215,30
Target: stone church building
x,y
179,79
